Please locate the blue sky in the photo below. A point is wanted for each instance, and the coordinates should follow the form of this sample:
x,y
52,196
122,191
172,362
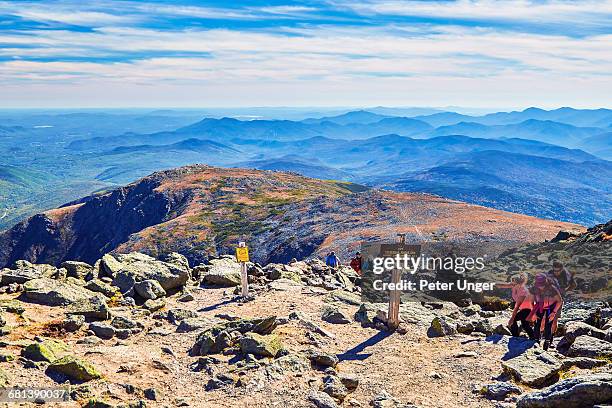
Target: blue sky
x,y
308,53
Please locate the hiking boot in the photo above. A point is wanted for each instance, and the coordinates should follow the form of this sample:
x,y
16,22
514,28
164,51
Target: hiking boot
x,y
546,344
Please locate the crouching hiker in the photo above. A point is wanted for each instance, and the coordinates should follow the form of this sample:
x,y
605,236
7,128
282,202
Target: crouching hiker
x,y
356,263
523,305
547,305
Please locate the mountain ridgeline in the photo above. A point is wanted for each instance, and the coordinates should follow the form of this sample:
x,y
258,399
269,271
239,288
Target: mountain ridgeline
x,y
201,211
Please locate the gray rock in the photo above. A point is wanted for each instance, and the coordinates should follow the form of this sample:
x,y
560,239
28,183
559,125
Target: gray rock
x,y
122,322
222,272
73,323
19,276
186,297
321,400
76,269
102,330
125,282
99,286
351,382
54,293
333,387
144,267
576,392
500,390
149,289
385,400
109,266
322,359
193,324
92,308
176,315
440,327
533,368
587,346
334,315
574,329
154,305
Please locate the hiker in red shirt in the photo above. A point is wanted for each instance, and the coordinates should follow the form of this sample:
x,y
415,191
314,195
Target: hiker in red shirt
x,y
356,263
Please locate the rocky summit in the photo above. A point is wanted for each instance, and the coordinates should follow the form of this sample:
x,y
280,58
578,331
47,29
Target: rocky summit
x,y
132,330
201,212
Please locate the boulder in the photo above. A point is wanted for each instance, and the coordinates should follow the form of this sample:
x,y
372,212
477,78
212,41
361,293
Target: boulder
x,y
25,271
576,328
92,308
102,330
154,305
322,359
258,345
109,266
144,267
99,286
73,323
46,350
534,368
55,293
587,346
149,289
577,392
440,327
335,316
175,315
76,269
74,368
221,272
125,282
500,390
333,386
193,324
385,400
322,400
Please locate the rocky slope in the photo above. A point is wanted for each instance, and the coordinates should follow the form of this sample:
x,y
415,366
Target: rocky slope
x,y
134,331
201,211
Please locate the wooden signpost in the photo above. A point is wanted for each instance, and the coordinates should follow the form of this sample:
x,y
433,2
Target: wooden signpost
x,y
242,256
395,295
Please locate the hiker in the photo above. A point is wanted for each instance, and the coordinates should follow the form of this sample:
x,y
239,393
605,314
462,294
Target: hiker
x,y
332,260
563,281
356,263
547,305
523,305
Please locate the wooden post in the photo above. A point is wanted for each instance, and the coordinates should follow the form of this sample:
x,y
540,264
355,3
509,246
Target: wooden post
x,y
395,295
242,254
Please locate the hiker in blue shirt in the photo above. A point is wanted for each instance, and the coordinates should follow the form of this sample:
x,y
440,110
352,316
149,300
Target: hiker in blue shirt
x,y
332,260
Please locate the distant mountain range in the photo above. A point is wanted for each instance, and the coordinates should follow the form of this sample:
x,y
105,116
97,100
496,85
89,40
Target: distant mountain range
x,y
551,164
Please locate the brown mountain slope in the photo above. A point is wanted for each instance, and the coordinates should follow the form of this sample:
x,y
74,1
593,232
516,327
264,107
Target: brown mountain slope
x,y
200,211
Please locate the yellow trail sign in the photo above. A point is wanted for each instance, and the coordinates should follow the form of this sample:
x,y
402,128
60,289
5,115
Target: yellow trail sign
x,y
242,254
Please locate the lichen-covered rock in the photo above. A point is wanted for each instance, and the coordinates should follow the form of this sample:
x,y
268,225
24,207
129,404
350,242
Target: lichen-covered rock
x,y
322,359
262,346
221,336
440,327
74,368
47,350
99,286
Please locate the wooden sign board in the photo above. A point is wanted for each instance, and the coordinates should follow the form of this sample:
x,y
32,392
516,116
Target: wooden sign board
x,y
242,254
